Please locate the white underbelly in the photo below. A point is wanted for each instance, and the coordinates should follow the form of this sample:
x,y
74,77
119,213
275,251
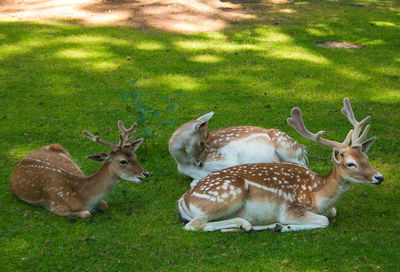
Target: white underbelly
x,y
260,212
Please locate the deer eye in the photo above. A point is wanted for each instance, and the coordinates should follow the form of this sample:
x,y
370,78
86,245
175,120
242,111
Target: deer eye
x,y
350,164
202,144
123,162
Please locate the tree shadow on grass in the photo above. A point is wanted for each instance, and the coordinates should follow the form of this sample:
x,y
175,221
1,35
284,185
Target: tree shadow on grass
x,y
60,78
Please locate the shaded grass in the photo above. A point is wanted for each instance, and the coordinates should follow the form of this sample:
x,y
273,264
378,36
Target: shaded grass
x,y
58,78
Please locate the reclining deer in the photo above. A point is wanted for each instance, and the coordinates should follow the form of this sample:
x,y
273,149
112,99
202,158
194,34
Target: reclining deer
x,y
283,196
48,177
198,152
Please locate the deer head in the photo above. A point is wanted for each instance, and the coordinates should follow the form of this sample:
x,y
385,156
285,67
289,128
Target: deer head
x,y
351,161
193,136
122,160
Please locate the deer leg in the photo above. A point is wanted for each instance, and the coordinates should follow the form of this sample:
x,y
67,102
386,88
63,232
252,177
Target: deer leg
x,y
196,224
102,206
294,222
231,230
81,214
64,210
192,171
331,213
208,217
64,203
61,210
234,223
200,224
267,227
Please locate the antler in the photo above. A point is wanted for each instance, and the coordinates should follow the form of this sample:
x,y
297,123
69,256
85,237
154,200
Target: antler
x,y
98,140
348,112
296,121
123,137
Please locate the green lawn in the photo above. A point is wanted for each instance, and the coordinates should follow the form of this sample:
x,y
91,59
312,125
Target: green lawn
x,y
58,78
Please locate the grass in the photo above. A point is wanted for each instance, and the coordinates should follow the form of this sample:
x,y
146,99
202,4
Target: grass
x,y
58,78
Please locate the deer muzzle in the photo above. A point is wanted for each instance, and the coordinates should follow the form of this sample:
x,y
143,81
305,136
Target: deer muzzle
x,y
377,179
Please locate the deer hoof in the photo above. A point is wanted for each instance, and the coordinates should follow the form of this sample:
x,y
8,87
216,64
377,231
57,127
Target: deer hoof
x,y
246,226
252,230
277,228
102,206
84,214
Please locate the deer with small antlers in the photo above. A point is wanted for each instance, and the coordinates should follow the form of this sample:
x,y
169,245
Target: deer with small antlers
x,y
282,196
48,177
199,151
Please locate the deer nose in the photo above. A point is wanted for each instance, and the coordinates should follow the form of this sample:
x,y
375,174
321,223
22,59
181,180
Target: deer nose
x,y
146,174
379,178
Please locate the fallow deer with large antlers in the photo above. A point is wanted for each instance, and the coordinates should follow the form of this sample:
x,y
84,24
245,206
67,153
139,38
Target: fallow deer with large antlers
x,y
199,151
284,196
48,177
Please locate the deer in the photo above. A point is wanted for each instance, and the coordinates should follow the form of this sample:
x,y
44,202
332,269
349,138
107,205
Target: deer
x,y
198,151
281,196
48,177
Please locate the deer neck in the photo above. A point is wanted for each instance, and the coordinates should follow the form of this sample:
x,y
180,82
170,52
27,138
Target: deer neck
x,y
178,152
100,183
332,188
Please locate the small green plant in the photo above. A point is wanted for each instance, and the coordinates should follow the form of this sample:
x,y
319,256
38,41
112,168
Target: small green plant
x,y
147,118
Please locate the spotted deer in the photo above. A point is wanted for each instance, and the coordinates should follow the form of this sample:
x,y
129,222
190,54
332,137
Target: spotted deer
x,y
284,196
198,152
48,177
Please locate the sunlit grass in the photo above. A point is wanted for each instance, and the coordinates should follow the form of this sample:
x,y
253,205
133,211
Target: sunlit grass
x,y
206,59
271,35
296,53
149,46
105,66
351,74
179,82
207,45
385,24
59,78
20,151
10,50
319,31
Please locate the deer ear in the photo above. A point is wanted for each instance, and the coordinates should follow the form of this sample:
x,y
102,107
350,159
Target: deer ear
x,y
365,146
203,121
206,117
337,156
98,158
199,125
135,145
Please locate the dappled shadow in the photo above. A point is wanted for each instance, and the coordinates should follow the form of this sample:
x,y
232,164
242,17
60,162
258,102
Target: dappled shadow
x,y
178,16
58,78
183,16
252,62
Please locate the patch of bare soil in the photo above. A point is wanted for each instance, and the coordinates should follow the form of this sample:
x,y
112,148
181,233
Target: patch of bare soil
x,y
182,16
339,45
